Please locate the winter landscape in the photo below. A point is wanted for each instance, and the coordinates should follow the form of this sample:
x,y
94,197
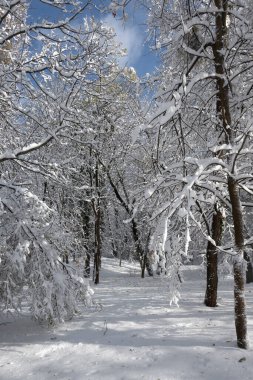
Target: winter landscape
x,y
133,333
126,189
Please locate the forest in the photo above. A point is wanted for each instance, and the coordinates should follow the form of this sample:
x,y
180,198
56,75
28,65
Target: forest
x,y
103,169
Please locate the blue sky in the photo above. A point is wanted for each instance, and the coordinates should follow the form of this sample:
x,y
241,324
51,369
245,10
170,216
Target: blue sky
x,y
131,33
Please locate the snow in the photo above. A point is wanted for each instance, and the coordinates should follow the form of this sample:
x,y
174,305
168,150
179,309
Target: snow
x,y
132,334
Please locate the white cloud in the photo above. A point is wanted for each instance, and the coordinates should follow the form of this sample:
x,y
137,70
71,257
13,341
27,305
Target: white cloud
x,y
130,37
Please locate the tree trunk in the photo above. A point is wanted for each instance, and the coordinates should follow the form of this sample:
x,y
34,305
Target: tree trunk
x,y
97,212
138,247
143,265
142,254
239,266
212,260
249,268
226,124
97,256
87,266
148,266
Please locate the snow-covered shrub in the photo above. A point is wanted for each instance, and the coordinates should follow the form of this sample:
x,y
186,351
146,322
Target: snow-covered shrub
x,y
33,241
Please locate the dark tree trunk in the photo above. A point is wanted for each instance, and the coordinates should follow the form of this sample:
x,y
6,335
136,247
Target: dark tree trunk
x,y
239,273
139,249
87,266
212,260
142,254
143,265
249,268
112,240
97,212
227,126
149,267
97,256
211,275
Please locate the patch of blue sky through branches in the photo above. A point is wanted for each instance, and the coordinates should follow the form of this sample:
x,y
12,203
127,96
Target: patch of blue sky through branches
x,y
131,32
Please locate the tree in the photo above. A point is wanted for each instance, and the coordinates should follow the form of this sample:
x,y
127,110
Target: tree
x,y
208,86
48,67
125,167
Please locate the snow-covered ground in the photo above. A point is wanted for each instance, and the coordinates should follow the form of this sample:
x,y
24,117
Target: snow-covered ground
x,y
132,334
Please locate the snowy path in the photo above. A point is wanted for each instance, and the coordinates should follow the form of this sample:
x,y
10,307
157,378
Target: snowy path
x,y
134,336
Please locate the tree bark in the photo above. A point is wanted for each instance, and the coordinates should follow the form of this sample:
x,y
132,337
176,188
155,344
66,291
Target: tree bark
x,y
239,266
249,269
139,249
97,256
212,260
145,264
226,119
97,212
